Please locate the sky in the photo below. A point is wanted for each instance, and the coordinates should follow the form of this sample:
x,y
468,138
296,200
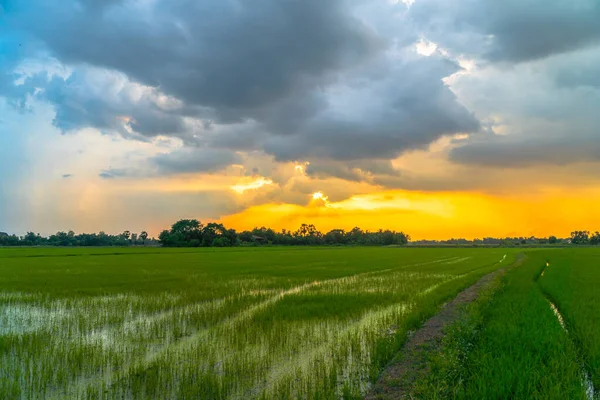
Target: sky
x,y
462,118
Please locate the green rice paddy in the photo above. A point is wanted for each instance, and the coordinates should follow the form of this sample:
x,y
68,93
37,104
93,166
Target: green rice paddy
x,y
287,323
255,323
535,338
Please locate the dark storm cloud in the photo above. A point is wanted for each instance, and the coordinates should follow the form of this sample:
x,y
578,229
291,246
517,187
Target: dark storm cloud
x,y
581,71
298,79
523,151
358,171
108,101
509,30
580,77
408,108
180,161
544,112
194,160
235,56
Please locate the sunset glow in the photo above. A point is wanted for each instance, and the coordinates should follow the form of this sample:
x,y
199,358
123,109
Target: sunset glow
x,y
403,114
434,215
251,185
318,196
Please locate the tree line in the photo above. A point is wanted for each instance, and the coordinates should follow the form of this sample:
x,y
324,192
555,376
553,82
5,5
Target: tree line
x,y
192,233
492,241
71,239
585,237
576,238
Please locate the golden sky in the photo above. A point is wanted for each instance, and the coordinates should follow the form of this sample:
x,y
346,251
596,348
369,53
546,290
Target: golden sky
x,y
435,215
400,115
538,201
438,200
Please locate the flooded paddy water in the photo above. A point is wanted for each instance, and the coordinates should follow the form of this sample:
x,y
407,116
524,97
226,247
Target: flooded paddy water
x,y
266,334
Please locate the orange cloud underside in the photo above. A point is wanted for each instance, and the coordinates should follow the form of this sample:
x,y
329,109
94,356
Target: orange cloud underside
x,y
437,215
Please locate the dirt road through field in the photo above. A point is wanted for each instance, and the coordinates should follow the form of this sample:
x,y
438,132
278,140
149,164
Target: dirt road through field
x,y
398,378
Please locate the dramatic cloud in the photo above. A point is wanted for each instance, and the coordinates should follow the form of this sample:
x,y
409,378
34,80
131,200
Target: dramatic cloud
x,y
540,113
296,79
109,102
194,160
510,152
357,171
510,30
407,107
267,102
234,56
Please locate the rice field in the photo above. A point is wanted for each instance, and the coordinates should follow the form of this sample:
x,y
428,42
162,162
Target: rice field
x,y
536,337
259,323
571,281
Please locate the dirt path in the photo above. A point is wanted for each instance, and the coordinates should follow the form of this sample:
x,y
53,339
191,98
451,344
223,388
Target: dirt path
x,y
397,380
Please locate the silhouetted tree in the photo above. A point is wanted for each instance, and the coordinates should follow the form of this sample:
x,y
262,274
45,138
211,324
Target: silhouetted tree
x,y
580,237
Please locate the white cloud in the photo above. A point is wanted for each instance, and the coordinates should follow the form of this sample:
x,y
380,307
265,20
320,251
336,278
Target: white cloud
x,y
425,47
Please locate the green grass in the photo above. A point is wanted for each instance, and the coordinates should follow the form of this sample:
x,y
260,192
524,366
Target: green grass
x,y
447,361
572,282
510,345
217,323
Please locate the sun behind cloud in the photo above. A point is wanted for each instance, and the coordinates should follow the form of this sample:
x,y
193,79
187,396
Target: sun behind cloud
x,y
251,184
441,215
393,113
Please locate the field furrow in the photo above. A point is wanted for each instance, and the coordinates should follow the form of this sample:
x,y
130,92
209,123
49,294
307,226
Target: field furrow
x,y
232,324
